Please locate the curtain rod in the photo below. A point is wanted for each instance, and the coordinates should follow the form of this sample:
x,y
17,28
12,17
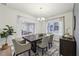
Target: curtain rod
x,y
55,18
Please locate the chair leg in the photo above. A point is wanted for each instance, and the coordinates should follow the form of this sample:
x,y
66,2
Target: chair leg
x,y
46,49
14,54
49,45
29,52
42,52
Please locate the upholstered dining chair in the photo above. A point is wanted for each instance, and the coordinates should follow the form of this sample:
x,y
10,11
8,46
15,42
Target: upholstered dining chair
x,y
41,35
50,41
44,44
21,47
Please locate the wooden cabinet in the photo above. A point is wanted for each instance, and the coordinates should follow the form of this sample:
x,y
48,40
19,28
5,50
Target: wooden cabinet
x,y
68,46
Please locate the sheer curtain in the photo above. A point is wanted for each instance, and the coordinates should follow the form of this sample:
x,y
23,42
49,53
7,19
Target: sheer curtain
x,y
28,28
25,26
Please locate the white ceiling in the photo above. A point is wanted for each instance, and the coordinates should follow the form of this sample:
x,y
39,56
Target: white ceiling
x,y
42,9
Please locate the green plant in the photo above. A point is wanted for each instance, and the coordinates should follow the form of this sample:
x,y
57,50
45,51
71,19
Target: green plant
x,y
3,34
7,31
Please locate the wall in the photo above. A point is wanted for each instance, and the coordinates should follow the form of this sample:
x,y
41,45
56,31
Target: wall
x,y
76,33
10,16
68,22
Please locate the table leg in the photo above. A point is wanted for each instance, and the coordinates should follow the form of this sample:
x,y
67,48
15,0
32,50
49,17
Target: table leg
x,y
34,47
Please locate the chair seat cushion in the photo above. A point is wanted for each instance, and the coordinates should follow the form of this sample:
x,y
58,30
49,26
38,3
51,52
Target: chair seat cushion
x,y
39,41
22,41
40,45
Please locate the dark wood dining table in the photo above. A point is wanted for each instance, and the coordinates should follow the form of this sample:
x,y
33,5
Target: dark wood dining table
x,y
33,40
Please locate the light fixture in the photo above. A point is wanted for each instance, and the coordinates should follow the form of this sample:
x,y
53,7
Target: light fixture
x,y
41,18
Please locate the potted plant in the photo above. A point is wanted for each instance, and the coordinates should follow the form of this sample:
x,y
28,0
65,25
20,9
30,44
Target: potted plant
x,y
5,33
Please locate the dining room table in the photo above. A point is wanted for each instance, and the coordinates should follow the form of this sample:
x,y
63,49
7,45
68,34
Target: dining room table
x,y
33,40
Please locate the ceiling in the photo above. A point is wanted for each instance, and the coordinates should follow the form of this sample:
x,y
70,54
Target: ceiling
x,y
42,9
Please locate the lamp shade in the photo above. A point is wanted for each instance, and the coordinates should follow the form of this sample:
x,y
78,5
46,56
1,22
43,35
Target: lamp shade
x,y
41,19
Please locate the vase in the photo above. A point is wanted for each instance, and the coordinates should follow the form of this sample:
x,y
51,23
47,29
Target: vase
x,y
4,46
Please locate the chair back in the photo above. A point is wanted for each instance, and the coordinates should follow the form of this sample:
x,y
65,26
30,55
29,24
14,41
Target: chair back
x,y
51,39
45,41
16,46
21,47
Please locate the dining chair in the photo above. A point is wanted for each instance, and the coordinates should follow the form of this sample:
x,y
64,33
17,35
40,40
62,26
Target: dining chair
x,y
44,44
50,41
21,47
41,35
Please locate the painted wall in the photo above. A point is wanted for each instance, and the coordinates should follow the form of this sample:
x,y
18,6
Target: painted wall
x,y
10,16
68,22
76,33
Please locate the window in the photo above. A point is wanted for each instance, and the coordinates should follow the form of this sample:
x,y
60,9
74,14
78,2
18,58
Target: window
x,y
24,26
28,28
55,26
